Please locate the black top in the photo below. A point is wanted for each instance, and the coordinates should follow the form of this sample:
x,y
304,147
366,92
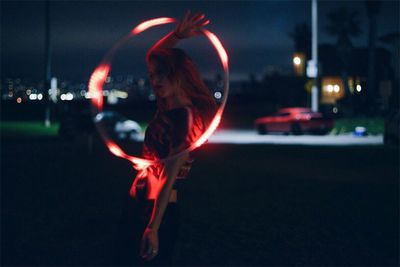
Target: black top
x,y
176,128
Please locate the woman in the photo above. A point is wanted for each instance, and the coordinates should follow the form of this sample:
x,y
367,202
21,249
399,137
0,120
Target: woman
x,y
185,108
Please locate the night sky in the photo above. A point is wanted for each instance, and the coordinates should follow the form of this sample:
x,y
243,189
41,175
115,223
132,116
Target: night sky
x,y
255,33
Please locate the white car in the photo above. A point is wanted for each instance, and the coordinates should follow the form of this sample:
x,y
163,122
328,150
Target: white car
x,y
119,126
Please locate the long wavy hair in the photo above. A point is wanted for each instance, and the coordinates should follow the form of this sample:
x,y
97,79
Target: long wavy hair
x,y
181,70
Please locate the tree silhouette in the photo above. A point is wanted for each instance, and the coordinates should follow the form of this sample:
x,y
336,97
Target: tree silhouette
x,y
373,7
301,36
343,24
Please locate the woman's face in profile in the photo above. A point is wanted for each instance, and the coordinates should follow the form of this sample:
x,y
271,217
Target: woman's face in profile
x,y
159,81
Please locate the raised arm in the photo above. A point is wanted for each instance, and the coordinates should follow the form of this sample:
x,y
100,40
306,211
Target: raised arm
x,y
189,26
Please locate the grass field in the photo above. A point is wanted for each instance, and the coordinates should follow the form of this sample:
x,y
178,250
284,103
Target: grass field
x,y
373,126
243,205
27,128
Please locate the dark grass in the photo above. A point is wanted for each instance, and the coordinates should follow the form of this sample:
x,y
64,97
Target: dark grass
x,y
28,128
243,205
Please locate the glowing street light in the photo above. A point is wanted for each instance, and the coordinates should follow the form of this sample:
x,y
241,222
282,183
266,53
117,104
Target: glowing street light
x,y
297,60
298,63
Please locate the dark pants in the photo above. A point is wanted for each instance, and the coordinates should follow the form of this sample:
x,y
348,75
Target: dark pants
x,y
134,219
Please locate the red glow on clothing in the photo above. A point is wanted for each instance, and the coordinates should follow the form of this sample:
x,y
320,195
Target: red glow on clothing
x,y
151,23
138,163
96,85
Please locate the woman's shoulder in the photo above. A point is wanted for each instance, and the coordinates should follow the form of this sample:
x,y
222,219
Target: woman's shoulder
x,y
179,114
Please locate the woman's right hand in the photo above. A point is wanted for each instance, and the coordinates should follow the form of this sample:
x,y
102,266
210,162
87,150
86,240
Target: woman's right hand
x,y
190,25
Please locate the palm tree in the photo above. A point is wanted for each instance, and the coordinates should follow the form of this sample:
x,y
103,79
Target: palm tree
x,y
301,36
344,24
373,7
393,40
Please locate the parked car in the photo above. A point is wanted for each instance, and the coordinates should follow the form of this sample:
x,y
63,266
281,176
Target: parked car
x,y
295,120
118,126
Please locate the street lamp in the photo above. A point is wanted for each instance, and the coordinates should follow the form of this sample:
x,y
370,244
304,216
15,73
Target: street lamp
x,y
298,63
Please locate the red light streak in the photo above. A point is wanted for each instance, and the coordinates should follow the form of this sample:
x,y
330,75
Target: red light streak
x,y
100,74
151,23
220,49
115,149
96,85
213,126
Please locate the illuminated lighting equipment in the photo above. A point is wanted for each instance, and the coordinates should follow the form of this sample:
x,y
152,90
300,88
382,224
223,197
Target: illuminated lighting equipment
x,y
296,60
32,96
358,88
19,100
28,92
40,97
299,63
69,96
332,89
101,75
217,95
336,88
335,110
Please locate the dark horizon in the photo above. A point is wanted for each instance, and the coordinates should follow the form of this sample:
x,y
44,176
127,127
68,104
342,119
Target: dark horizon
x,y
83,31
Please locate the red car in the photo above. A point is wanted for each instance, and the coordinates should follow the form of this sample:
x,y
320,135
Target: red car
x,y
294,120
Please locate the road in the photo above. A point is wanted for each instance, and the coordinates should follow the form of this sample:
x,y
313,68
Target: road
x,y
251,137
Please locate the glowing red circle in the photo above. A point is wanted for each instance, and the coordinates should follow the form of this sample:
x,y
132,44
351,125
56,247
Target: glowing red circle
x,y
101,72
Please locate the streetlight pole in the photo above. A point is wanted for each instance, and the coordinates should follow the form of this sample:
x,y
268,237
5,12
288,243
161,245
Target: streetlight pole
x,y
314,55
47,102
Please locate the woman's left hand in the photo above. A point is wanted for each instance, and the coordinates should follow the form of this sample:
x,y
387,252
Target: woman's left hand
x,y
149,244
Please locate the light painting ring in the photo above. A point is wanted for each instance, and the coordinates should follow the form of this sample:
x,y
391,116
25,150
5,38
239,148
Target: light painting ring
x,y
100,74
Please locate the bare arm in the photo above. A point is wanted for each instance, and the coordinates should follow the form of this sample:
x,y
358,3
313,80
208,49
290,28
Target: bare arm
x,y
189,26
149,244
169,175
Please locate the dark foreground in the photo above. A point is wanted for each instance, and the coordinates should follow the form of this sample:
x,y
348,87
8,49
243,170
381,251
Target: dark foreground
x,y
243,205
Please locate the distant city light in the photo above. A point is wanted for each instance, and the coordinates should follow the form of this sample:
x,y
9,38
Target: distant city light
x,y
28,92
335,110
67,97
217,95
19,100
297,60
336,88
32,96
329,87
40,97
358,88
